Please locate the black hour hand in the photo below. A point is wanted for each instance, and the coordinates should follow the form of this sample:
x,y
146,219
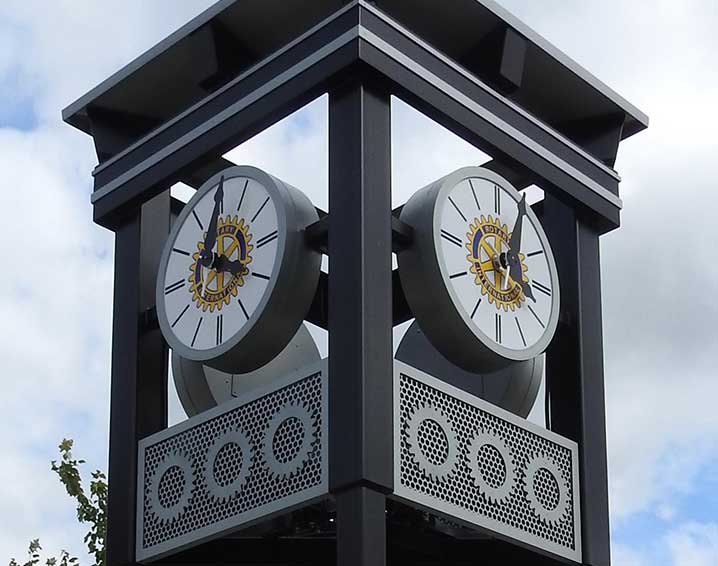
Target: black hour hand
x,y
235,267
207,255
516,273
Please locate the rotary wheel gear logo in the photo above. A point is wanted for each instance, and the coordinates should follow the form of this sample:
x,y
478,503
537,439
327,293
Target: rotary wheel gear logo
x,y
212,288
492,466
171,488
432,443
289,440
488,245
546,490
228,464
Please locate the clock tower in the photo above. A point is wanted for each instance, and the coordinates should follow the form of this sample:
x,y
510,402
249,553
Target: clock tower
x,y
359,459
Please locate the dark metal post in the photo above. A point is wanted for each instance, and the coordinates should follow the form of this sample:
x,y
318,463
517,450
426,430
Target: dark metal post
x,y
574,367
360,318
139,367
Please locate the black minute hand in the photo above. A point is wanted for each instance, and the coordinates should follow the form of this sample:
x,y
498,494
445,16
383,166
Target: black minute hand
x,y
515,271
206,257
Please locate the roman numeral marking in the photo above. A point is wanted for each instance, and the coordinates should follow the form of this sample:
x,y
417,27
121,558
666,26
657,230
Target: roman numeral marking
x,y
451,238
260,275
220,328
535,316
497,199
473,312
176,285
455,275
241,305
184,310
199,222
176,250
541,288
196,331
457,209
261,208
497,322
266,239
241,199
521,332
538,252
473,192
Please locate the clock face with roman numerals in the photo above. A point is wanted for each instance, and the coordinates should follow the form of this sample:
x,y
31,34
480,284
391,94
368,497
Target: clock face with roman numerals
x,y
225,264
486,252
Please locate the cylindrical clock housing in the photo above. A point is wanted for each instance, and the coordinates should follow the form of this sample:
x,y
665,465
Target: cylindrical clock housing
x,y
480,276
235,306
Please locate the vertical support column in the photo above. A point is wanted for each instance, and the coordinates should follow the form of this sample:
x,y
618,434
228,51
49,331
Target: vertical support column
x,y
360,318
138,403
574,368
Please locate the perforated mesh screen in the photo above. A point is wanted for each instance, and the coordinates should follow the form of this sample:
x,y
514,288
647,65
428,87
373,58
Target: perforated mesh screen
x,y
228,464
171,487
231,477
491,466
547,489
288,440
512,481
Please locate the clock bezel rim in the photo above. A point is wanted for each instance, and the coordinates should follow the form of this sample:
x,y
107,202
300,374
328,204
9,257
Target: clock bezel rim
x,y
453,332
448,184
289,228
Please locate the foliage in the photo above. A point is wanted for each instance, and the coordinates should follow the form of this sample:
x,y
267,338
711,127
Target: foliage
x,y
92,510
33,557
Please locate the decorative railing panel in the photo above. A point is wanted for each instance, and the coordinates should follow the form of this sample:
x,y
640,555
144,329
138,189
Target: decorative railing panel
x,y
466,459
241,462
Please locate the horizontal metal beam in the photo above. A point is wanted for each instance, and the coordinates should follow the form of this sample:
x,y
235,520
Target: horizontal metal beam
x,y
317,234
455,98
305,68
255,100
318,313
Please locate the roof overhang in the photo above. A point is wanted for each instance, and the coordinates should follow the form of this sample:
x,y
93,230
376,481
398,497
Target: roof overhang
x,y
165,117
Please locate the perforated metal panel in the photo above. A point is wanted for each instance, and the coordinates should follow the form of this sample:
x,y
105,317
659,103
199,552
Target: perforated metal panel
x,y
235,464
469,460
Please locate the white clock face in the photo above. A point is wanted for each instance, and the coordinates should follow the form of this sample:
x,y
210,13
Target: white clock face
x,y
208,302
494,257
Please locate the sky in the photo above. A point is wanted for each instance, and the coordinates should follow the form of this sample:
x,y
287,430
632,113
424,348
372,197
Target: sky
x,y
659,275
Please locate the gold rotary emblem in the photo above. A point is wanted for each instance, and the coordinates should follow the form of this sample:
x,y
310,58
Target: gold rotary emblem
x,y
488,248
212,288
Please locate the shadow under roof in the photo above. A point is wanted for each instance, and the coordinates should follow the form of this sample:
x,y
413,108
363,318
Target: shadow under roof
x,y
233,35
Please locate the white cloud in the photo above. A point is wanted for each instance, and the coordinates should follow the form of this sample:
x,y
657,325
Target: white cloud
x,y
694,544
56,289
622,555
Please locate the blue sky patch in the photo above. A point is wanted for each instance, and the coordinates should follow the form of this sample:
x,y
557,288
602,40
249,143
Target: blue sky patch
x,y
17,107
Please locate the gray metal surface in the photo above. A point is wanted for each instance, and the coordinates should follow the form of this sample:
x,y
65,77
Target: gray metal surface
x,y
295,274
395,54
482,112
201,387
513,388
479,16
510,478
234,465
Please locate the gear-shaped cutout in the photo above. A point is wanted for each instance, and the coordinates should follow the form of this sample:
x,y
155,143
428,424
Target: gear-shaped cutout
x,y
540,469
236,441
495,480
168,502
285,455
436,455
